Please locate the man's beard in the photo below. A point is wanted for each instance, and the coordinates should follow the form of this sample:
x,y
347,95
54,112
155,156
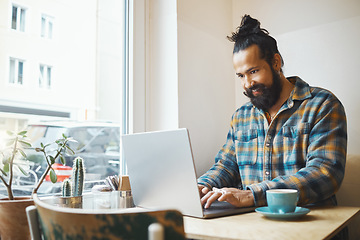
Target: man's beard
x,y
269,95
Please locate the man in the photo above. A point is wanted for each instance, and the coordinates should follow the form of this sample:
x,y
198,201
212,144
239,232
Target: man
x,y
289,135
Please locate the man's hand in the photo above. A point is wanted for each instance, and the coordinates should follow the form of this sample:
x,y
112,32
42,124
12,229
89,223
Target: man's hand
x,y
234,196
203,190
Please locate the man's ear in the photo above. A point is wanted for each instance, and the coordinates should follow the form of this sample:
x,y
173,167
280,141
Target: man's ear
x,y
277,62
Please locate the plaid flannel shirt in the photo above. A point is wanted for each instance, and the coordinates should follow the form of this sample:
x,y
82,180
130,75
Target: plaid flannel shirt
x,y
304,147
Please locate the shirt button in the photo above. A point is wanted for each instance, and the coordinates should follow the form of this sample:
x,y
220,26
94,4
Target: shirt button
x,y
267,173
268,142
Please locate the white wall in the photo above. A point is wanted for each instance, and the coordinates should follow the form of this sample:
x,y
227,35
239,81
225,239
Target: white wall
x,y
319,42
206,85
162,87
190,83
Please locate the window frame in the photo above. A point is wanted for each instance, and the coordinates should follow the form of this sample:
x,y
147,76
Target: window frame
x,y
44,77
136,71
16,72
44,30
20,24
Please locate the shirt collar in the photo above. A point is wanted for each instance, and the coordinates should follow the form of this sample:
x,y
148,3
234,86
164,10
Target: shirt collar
x,y
301,90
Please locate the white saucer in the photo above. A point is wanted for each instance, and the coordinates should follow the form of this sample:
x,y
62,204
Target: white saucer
x,y
299,211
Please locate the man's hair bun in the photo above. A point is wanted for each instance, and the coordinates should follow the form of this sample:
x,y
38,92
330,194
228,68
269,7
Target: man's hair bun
x,y
247,27
250,33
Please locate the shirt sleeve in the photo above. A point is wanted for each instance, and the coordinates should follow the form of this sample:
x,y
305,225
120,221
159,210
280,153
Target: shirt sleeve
x,y
325,159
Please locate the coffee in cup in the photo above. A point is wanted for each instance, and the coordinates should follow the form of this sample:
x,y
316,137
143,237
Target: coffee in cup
x,y
282,200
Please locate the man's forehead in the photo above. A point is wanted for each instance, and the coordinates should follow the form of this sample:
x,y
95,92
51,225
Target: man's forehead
x,y
252,52
247,58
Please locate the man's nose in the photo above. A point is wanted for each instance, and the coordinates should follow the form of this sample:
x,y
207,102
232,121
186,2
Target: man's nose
x,y
248,82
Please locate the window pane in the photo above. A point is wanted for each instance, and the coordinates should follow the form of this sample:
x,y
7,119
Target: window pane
x,y
79,78
50,30
20,72
14,16
43,26
49,76
12,71
22,20
41,75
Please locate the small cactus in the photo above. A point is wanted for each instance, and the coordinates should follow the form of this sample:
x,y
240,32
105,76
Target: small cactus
x,y
78,177
75,187
66,188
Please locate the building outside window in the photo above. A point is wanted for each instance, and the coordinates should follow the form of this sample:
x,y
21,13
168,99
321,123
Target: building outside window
x,y
85,95
16,71
46,26
45,76
18,18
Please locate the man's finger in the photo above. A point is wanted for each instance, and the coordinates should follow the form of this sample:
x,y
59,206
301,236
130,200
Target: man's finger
x,y
205,190
214,196
206,197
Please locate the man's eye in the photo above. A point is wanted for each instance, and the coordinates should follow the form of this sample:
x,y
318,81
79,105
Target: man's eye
x,y
254,71
240,75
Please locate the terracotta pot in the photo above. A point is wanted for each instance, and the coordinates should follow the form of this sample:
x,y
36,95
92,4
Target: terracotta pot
x,y
13,221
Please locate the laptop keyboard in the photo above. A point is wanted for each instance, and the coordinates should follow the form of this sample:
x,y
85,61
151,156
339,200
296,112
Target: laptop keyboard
x,y
221,205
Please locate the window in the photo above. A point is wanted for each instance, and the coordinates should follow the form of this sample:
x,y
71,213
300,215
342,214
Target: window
x,y
16,71
98,145
82,71
45,76
46,26
18,18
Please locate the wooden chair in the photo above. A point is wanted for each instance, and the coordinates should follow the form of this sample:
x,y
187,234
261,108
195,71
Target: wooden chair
x,y
54,222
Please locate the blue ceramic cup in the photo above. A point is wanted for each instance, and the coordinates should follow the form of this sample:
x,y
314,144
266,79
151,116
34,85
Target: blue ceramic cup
x,y
282,200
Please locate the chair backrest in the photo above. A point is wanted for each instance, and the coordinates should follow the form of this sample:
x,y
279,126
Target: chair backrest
x,y
349,192
67,223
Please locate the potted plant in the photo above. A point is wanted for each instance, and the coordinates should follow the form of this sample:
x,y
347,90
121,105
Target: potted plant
x,y
71,190
13,223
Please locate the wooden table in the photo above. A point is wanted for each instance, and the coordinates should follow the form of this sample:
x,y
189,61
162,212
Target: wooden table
x,y
320,223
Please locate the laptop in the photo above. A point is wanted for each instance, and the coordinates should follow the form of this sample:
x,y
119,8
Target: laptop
x,y
162,174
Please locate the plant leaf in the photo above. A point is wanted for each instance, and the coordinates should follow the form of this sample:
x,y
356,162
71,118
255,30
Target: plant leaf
x,y
22,133
52,160
6,167
47,145
6,160
10,133
71,140
23,171
69,150
62,159
22,152
10,142
26,144
53,176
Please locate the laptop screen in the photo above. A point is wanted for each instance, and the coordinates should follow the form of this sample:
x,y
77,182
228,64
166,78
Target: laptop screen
x,y
161,171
